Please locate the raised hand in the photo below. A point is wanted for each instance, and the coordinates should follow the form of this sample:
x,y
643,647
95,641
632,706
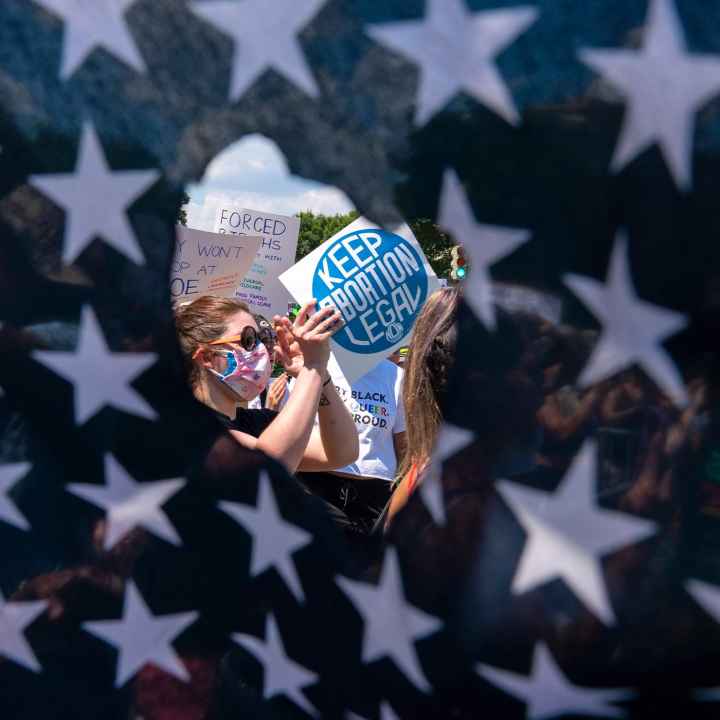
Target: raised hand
x,y
276,393
287,350
306,342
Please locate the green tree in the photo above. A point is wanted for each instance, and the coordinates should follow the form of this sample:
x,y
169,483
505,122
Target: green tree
x,y
316,229
435,244
182,214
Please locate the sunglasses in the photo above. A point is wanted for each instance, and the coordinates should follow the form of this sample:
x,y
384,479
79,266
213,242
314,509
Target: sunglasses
x,y
250,338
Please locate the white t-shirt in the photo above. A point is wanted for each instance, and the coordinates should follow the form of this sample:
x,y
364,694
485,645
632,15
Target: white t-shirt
x,y
375,403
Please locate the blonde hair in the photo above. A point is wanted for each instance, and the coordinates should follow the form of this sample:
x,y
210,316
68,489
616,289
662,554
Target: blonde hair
x,y
427,367
201,322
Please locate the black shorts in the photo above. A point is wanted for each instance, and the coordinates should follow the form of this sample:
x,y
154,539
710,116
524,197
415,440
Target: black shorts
x,y
361,500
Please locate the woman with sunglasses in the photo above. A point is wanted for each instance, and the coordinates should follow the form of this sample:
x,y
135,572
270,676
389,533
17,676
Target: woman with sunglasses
x,y
228,365
269,339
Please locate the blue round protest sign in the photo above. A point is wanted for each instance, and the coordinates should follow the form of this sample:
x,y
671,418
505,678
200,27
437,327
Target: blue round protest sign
x,y
378,282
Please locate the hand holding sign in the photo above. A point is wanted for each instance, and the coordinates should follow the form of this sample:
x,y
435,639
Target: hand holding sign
x,y
379,282
310,335
374,278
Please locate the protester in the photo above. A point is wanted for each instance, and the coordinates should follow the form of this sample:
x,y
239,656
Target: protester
x,y
228,366
498,384
268,338
429,361
362,488
399,356
496,373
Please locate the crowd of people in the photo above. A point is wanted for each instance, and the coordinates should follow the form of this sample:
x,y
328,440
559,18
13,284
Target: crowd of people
x,y
344,442
364,447
361,450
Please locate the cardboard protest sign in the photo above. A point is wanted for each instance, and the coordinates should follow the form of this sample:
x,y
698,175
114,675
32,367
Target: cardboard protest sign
x,y
379,281
209,264
261,288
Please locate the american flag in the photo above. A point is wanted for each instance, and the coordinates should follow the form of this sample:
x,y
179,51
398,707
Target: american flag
x,y
151,568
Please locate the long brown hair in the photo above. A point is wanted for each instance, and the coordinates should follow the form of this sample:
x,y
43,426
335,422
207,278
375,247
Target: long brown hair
x,y
201,322
427,367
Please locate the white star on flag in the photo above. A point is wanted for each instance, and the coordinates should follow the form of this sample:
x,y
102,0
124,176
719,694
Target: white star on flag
x,y
450,441
386,713
95,199
9,475
484,244
129,504
568,533
707,596
99,377
633,329
455,50
282,676
548,693
265,37
665,86
94,23
14,618
141,637
392,626
274,540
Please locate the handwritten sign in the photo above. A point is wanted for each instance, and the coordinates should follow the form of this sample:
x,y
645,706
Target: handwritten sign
x,y
261,288
209,264
378,280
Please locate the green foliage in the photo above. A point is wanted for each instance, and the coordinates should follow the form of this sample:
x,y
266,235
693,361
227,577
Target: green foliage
x,y
316,229
182,214
435,244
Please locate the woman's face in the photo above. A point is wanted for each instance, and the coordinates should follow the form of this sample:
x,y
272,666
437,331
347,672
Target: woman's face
x,y
235,325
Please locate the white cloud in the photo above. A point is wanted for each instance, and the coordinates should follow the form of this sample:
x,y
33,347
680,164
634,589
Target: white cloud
x,y
325,201
253,152
200,216
253,173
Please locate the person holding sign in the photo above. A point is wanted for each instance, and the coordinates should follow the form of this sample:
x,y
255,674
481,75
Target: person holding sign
x,y
362,488
228,366
378,280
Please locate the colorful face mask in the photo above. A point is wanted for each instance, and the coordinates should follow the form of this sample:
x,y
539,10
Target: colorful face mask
x,y
247,372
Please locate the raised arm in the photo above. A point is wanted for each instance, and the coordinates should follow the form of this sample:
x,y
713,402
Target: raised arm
x,y
334,442
288,436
